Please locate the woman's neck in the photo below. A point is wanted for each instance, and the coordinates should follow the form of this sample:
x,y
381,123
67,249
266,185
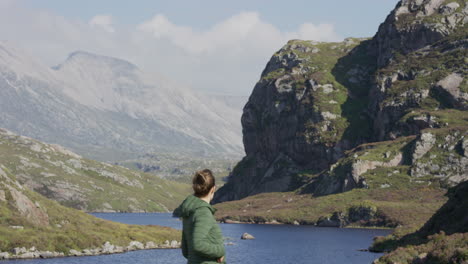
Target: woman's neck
x,y
206,199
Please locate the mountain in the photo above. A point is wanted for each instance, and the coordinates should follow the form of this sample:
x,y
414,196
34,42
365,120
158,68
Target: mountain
x,y
443,239
349,113
107,108
77,182
32,226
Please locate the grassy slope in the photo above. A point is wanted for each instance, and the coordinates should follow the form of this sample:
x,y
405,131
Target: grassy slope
x,y
443,239
181,167
67,228
396,197
86,184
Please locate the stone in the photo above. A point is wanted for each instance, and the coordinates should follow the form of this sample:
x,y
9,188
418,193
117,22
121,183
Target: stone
x,y
75,253
296,222
335,220
174,244
2,196
87,252
108,247
450,87
16,227
150,245
48,254
423,145
4,255
28,255
449,8
247,236
19,251
135,245
464,146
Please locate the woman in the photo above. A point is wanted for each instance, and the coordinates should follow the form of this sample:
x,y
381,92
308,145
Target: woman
x,y
202,240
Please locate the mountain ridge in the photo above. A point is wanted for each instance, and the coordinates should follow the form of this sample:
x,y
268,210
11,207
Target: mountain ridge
x,y
109,107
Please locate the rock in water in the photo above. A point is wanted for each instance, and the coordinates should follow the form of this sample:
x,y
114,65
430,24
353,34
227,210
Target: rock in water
x,y
247,236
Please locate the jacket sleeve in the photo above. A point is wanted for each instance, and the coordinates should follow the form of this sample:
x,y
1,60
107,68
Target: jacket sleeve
x,y
184,246
203,222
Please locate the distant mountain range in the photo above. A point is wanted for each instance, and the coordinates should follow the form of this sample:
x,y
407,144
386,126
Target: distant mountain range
x,y
108,109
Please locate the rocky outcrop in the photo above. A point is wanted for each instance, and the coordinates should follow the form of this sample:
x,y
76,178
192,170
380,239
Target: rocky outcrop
x,y
294,118
445,160
27,208
414,24
316,101
420,52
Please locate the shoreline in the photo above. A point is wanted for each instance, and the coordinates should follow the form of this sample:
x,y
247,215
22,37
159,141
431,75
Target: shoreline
x,y
296,223
272,222
106,249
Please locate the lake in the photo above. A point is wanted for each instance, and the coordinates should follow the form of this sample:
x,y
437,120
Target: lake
x,y
274,244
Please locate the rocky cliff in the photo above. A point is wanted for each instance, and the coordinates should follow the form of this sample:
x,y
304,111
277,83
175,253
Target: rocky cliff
x,y
316,102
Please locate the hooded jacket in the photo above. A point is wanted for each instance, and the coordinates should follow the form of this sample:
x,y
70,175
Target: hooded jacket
x,y
202,240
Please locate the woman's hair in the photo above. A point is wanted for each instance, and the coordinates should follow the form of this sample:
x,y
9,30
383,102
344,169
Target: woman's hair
x,y
202,182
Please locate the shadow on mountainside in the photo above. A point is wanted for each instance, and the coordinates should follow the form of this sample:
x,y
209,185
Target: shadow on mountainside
x,y
355,72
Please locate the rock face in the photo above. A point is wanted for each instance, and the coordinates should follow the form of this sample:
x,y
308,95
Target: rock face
x,y
410,26
315,101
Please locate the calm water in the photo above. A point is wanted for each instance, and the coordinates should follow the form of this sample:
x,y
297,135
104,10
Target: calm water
x,y
274,244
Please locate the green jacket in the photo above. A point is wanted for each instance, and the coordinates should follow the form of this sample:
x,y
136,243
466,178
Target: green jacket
x,y
202,240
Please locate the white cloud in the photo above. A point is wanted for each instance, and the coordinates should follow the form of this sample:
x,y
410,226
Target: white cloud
x,y
227,57
103,22
240,32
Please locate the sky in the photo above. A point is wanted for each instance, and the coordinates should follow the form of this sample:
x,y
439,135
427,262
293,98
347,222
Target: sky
x,y
215,46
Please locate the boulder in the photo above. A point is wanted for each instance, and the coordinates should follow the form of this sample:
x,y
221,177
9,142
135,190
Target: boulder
x,y
108,247
150,245
337,219
247,236
449,8
75,253
450,89
423,145
133,245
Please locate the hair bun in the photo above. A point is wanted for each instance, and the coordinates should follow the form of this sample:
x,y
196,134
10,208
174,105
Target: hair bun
x,y
202,182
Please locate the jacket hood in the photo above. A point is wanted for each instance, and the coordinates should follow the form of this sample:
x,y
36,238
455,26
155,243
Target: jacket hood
x,y
190,205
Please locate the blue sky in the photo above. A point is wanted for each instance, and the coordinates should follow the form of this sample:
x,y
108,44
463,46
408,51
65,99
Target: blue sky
x,y
357,18
213,46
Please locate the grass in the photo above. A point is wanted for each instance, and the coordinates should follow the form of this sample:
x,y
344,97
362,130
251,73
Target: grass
x,y
68,228
89,185
410,206
442,239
